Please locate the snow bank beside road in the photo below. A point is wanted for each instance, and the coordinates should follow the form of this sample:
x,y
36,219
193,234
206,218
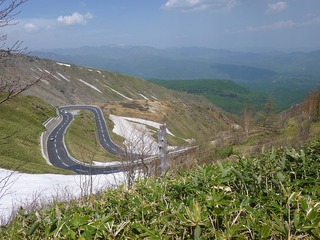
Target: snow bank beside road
x,y
138,137
22,189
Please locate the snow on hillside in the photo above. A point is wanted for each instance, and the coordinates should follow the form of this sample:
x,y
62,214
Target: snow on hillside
x,y
144,96
88,84
63,64
147,122
138,137
63,77
119,93
22,189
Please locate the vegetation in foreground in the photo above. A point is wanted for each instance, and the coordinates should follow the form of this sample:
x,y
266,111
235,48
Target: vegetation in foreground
x,y
273,196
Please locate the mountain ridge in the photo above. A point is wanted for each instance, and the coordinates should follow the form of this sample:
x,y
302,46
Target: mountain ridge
x,y
276,61
294,73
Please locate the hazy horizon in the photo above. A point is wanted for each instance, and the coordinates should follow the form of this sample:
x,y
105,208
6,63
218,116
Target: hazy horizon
x,y
252,50
237,25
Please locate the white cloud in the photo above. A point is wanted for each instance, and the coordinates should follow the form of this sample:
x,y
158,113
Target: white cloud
x,y
273,26
30,27
75,18
283,25
277,7
195,5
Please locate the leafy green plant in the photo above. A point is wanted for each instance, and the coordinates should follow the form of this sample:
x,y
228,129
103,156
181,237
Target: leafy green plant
x,y
271,196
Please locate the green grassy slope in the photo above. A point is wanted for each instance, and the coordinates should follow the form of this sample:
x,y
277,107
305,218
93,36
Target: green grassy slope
x,y
82,142
272,196
227,94
21,121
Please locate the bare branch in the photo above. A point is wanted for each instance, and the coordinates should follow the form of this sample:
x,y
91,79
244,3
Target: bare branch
x,y
8,13
12,92
6,183
11,54
10,89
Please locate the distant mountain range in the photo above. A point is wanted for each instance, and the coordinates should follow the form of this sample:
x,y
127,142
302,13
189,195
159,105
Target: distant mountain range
x,y
287,77
188,63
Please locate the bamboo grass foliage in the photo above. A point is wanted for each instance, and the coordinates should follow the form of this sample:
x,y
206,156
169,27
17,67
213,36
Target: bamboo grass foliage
x,y
273,196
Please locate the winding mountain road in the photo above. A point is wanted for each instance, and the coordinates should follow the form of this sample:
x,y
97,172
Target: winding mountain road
x,y
58,154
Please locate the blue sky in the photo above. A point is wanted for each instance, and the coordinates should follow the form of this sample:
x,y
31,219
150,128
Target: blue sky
x,y
227,24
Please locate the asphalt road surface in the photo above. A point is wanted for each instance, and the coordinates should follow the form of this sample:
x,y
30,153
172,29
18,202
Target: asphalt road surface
x,y
58,154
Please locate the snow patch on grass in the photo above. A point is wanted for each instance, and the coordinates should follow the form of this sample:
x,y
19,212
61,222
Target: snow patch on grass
x,y
46,71
88,84
56,77
63,64
137,134
138,138
148,123
119,93
63,77
144,96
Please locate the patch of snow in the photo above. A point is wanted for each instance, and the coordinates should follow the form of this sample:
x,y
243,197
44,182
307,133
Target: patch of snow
x,y
90,70
63,77
56,77
148,123
63,64
46,71
154,97
138,137
98,72
88,84
118,93
40,69
105,164
144,96
23,189
32,69
44,81
75,112
189,140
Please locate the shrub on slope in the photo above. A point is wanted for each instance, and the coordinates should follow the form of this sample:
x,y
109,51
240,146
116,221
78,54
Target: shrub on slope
x,y
273,196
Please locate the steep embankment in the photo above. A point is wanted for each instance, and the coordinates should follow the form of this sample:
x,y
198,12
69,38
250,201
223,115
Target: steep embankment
x,y
21,121
63,83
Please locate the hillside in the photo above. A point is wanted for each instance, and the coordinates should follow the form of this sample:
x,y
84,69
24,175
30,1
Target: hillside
x,y
63,84
227,94
287,77
248,193
187,116
21,121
